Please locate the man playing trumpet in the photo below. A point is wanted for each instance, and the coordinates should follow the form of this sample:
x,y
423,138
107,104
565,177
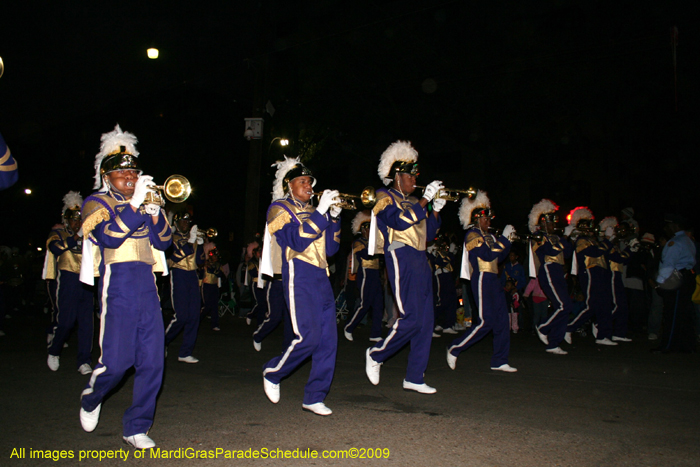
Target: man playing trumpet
x,y
302,237
405,224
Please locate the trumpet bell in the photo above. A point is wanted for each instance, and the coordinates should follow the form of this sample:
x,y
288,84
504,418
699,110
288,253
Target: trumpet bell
x,y
177,189
368,197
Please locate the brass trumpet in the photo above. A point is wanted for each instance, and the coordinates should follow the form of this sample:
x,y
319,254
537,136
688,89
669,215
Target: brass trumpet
x,y
176,189
453,194
368,198
209,233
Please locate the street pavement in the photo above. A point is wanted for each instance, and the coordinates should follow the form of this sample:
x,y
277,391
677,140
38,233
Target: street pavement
x,y
597,406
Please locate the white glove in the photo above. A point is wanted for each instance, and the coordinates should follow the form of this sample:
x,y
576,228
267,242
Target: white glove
x,y
152,209
335,210
200,241
610,233
568,229
634,245
143,186
508,231
80,232
453,247
328,198
432,189
438,204
193,234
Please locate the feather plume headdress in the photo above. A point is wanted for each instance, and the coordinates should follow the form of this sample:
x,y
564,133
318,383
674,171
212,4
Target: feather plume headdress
x,y
117,151
72,201
610,221
360,218
399,156
279,186
546,206
578,214
468,206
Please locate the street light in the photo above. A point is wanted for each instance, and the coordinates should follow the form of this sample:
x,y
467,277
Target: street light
x,y
152,53
27,191
283,142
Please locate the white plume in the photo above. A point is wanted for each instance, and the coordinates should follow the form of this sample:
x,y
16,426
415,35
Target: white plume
x,y
579,213
282,168
111,144
543,207
398,151
71,200
360,218
468,205
610,221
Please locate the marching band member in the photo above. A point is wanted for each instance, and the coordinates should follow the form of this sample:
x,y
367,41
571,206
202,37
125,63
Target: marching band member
x,y
591,266
618,257
446,302
368,281
304,237
187,255
130,238
259,311
73,298
551,250
482,253
211,283
8,166
405,225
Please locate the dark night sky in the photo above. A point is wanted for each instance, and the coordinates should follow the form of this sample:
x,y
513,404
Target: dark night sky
x,y
570,100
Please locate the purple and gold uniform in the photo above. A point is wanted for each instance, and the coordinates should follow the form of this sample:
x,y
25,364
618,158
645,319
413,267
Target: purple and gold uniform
x,y
8,166
595,280
304,239
259,311
184,292
73,299
446,302
618,259
485,252
552,251
131,328
369,284
405,226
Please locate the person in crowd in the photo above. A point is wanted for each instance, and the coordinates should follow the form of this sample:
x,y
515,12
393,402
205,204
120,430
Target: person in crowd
x,y
481,255
540,304
213,278
305,236
124,240
368,281
186,257
73,298
446,302
513,304
676,284
402,224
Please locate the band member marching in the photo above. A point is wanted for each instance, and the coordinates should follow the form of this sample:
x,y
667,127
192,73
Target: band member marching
x,y
481,254
130,238
551,250
368,280
186,257
591,266
446,302
8,166
304,238
405,225
212,279
618,258
73,298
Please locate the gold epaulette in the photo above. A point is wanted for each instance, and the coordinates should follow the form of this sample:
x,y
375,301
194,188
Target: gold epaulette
x,y
93,213
251,266
582,244
383,200
359,246
474,240
277,218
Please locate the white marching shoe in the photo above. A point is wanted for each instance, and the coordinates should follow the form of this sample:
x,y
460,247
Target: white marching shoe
x,y
421,388
347,335
139,441
53,362
89,420
319,408
451,360
567,338
372,368
505,367
605,341
188,359
272,391
257,345
621,339
557,351
85,369
542,337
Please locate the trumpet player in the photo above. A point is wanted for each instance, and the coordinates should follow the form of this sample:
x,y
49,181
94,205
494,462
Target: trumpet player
x,y
618,257
591,266
368,281
186,257
302,237
130,239
212,280
552,251
405,224
482,253
74,299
